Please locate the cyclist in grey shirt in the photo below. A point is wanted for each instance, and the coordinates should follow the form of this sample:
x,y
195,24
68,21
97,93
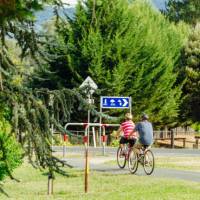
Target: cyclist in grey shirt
x,y
145,131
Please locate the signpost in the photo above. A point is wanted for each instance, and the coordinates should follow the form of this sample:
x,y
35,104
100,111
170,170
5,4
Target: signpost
x,y
90,86
111,102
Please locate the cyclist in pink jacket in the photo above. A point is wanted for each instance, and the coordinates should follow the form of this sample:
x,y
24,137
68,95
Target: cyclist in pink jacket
x,y
127,127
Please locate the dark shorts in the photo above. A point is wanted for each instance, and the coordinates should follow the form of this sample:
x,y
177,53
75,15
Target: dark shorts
x,y
131,141
144,145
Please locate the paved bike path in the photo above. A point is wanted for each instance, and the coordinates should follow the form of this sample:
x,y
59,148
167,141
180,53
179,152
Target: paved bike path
x,y
98,164
113,150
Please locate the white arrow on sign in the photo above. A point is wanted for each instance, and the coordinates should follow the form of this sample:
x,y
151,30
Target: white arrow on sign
x,y
120,102
125,102
112,101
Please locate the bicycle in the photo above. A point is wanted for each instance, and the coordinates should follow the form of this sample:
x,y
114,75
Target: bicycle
x,y
145,158
123,155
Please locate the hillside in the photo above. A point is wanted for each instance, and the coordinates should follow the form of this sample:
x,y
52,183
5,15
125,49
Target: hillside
x,y
47,13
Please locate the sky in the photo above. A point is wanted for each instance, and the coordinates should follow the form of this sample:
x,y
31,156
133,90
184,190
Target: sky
x,y
70,2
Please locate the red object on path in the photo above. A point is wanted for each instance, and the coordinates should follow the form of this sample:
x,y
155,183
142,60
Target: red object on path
x,y
65,137
104,138
85,139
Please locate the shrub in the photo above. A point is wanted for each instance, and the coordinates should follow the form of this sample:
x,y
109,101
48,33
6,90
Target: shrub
x,y
10,150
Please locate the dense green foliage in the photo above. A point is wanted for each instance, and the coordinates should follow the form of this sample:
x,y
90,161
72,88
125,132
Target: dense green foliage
x,y
129,49
34,112
10,150
192,72
186,10
10,154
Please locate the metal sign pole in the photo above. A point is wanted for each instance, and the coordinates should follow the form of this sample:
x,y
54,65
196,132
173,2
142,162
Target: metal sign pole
x,y
130,104
86,159
100,122
94,137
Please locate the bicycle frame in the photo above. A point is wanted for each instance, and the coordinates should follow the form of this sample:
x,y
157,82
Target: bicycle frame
x,y
145,157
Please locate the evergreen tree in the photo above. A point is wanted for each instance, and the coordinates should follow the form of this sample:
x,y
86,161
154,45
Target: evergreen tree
x,y
129,49
186,10
191,105
189,12
34,110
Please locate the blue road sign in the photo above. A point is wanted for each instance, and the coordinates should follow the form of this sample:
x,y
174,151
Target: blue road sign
x,y
115,102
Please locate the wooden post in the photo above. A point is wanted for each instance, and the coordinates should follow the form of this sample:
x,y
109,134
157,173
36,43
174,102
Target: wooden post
x,y
50,184
172,138
86,157
196,142
184,142
86,170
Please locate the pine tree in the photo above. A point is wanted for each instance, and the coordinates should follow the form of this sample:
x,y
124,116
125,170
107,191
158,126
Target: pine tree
x,y
129,49
33,111
191,105
186,10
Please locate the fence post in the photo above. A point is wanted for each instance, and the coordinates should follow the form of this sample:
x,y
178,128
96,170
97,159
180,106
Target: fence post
x,y
50,184
172,138
86,169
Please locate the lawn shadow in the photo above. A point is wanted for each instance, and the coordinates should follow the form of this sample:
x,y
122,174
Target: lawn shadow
x,y
3,191
66,174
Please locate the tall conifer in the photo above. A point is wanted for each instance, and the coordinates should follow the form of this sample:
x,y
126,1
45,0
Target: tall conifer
x,y
129,49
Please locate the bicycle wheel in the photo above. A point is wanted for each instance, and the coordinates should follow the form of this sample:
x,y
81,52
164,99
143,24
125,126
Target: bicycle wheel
x,y
121,158
148,162
132,162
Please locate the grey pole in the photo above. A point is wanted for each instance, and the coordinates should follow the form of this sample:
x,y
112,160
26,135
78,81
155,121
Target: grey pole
x,y
130,104
100,122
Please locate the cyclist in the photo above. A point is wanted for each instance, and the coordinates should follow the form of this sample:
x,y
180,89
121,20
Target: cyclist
x,y
127,128
145,132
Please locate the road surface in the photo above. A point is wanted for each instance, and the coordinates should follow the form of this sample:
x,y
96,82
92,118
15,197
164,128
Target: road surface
x,y
98,162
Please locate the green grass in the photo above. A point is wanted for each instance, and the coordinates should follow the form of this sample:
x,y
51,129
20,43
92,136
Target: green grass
x,y
181,163
33,185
